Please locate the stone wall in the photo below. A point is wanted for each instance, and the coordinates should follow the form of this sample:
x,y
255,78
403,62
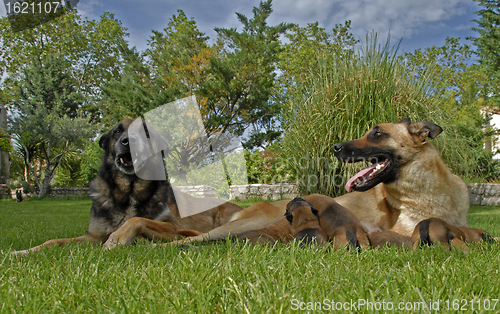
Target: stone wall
x,y
54,192
198,190
59,192
479,193
270,192
484,194
4,191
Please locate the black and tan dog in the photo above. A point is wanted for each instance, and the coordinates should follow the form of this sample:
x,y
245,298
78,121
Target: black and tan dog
x,y
437,231
125,206
304,223
380,239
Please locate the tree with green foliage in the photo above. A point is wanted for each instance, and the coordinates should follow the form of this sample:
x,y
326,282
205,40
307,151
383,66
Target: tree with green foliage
x,y
488,42
232,80
179,56
90,50
463,84
177,64
133,93
242,79
47,122
173,67
488,47
298,57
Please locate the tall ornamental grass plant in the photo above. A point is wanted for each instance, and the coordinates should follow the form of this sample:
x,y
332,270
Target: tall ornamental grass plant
x,y
346,94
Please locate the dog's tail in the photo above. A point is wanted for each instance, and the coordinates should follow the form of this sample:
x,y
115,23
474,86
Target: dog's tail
x,y
352,239
425,239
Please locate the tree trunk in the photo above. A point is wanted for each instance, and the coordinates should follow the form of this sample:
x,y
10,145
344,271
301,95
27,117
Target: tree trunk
x,y
50,172
44,187
4,156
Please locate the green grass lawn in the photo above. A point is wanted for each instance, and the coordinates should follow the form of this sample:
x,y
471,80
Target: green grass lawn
x,y
232,277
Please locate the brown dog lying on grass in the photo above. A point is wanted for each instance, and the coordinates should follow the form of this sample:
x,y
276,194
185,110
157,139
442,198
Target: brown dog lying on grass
x,y
435,230
304,223
389,238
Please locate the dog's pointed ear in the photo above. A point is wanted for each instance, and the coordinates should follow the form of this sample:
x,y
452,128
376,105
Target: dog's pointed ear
x,y
103,141
289,217
424,129
314,211
406,121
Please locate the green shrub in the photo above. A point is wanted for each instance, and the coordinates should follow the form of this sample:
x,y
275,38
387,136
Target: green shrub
x,y
268,166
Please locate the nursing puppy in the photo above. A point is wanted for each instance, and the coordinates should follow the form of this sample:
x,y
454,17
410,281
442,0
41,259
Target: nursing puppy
x,y
389,238
435,230
304,223
342,226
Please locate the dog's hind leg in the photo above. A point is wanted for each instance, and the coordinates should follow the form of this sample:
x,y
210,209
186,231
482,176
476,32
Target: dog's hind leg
x,y
234,227
149,229
257,216
255,237
54,242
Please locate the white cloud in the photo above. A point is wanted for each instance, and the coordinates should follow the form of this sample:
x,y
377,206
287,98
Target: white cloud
x,y
92,9
402,18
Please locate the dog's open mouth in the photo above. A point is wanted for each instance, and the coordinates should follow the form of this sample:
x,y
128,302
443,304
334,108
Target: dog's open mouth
x,y
365,179
125,160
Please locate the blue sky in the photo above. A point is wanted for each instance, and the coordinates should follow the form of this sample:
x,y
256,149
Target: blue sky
x,y
420,23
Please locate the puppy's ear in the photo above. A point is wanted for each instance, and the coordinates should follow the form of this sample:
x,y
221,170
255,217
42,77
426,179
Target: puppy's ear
x,y
314,211
289,217
423,129
104,140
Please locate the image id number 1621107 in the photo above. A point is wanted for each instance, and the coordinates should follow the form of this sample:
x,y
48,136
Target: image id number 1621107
x,y
35,7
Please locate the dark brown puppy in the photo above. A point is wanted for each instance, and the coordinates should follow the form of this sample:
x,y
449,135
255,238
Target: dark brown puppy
x,y
340,224
389,238
435,230
304,223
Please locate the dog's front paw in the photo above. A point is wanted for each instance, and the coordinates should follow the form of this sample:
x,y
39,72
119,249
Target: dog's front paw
x,y
115,239
110,244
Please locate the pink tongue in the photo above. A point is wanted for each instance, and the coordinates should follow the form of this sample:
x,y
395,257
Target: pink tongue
x,y
360,174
